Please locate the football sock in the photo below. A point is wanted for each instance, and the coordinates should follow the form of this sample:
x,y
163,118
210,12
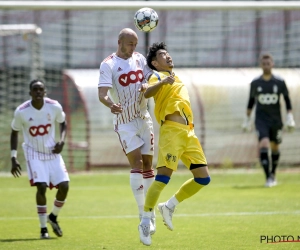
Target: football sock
x,y
42,212
148,177
57,206
275,157
154,192
146,218
148,180
190,187
264,160
136,183
172,202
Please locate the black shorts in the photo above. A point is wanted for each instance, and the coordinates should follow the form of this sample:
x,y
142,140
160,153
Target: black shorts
x,y
267,130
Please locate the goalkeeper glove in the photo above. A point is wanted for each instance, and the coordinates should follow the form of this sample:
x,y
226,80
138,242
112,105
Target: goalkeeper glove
x,y
290,123
246,126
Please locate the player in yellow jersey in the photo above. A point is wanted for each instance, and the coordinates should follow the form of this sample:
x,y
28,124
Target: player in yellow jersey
x,y
177,139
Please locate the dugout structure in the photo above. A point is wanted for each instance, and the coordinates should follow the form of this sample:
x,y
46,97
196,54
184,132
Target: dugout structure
x,y
213,39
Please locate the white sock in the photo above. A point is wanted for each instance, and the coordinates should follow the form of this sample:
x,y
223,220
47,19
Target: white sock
x,y
42,212
148,180
172,202
57,206
137,187
146,218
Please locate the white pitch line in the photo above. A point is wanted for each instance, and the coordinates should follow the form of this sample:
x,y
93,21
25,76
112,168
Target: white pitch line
x,y
296,212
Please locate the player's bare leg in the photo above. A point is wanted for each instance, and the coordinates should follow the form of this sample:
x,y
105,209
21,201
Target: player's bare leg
x,y
41,202
61,196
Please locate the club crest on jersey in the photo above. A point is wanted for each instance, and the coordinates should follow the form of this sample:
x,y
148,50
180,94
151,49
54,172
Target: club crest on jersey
x,y
275,89
259,89
119,69
49,117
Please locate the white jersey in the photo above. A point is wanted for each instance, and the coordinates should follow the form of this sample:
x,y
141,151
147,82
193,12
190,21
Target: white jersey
x,y
124,78
38,127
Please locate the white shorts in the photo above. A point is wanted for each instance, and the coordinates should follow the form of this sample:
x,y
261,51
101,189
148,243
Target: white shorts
x,y
137,134
51,171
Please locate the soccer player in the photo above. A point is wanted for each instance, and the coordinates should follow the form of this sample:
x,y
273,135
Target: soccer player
x,y
45,166
177,139
265,92
124,74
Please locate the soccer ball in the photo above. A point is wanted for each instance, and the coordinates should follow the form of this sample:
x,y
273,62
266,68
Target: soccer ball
x,y
146,19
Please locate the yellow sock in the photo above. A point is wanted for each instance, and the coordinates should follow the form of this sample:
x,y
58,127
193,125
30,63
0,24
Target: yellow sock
x,y
188,189
153,194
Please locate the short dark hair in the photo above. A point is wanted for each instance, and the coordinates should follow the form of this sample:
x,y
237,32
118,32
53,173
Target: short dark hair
x,y
266,56
35,81
152,52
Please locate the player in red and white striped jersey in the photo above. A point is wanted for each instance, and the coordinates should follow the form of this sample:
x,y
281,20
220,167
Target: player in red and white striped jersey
x,y
124,75
45,166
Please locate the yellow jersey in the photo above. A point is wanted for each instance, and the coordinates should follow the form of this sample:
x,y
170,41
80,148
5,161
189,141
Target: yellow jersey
x,y
171,98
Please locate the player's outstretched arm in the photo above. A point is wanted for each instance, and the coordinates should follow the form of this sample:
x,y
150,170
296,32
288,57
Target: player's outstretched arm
x,y
15,165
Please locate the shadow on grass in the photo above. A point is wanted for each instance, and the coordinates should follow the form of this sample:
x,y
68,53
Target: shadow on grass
x,y
249,187
17,240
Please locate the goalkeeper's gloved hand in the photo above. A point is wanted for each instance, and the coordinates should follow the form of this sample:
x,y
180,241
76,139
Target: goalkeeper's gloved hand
x,y
246,126
290,123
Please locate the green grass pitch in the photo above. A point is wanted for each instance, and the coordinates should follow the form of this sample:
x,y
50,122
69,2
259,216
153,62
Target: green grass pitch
x,y
233,212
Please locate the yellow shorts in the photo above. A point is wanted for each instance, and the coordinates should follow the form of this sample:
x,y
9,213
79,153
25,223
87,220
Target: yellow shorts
x,y
178,141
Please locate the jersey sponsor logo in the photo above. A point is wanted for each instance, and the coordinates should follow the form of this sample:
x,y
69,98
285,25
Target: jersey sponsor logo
x,y
267,99
131,77
39,130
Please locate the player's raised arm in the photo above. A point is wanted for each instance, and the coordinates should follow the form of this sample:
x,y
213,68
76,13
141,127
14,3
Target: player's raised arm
x,y
152,90
15,165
